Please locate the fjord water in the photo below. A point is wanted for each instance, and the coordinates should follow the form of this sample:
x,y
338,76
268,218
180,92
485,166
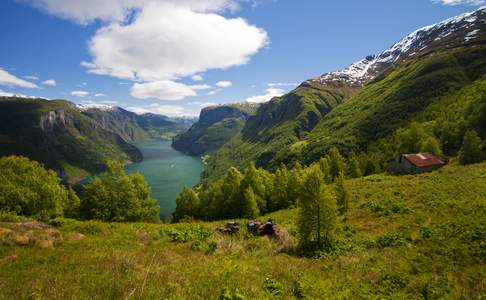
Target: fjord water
x,y
167,171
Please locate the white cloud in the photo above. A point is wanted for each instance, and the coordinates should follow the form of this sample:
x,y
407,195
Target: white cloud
x,y
167,110
280,84
460,2
224,84
203,104
163,90
197,77
8,79
200,87
269,94
166,41
109,102
99,95
81,94
31,77
214,92
87,11
50,82
157,41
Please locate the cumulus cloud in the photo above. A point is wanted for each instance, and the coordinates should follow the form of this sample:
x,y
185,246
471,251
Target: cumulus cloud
x,y
163,90
166,42
197,77
460,2
224,84
81,94
167,110
18,95
157,42
99,95
269,94
87,11
50,82
8,79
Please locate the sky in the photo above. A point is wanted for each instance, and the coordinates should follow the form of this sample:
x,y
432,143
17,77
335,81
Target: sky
x,y
174,57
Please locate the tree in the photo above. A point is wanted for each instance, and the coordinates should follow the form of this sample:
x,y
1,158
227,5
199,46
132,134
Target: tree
x,y
26,188
336,162
342,195
255,179
187,204
354,167
412,139
279,198
118,197
432,145
250,206
317,213
471,151
230,190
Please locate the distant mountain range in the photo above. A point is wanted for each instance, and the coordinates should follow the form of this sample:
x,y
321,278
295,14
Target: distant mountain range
x,y
434,76
77,141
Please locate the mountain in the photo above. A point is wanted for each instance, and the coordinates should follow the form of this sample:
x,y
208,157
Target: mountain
x,y
463,30
132,127
432,76
60,136
216,126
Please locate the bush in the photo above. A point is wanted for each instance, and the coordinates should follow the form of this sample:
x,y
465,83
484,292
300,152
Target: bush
x,y
117,197
28,189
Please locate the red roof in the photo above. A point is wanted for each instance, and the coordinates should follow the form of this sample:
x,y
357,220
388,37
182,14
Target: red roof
x,y
423,160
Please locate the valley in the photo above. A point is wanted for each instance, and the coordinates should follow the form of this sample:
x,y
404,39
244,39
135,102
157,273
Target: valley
x,y
365,182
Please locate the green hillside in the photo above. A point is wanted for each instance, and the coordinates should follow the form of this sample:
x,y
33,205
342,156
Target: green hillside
x,y
444,91
58,135
215,127
134,128
407,237
273,134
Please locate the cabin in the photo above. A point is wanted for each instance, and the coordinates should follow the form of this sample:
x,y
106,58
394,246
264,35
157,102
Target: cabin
x,y
414,163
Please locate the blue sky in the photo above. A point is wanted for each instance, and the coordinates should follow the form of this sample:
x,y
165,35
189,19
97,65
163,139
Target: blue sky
x,y
175,56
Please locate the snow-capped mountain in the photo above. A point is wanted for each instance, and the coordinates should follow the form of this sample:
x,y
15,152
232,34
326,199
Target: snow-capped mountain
x,y
465,29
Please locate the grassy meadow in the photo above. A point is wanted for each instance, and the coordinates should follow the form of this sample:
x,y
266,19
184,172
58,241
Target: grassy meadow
x,y
407,237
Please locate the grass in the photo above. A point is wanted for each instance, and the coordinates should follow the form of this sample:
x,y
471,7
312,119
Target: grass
x,y
408,237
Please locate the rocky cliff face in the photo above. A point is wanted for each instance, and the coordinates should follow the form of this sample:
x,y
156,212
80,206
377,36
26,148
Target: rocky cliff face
x,y
58,135
216,126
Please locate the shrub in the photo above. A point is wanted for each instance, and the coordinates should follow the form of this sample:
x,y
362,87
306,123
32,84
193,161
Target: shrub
x,y
118,197
28,189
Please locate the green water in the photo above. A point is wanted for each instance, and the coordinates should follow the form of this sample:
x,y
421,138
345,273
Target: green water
x,y
167,171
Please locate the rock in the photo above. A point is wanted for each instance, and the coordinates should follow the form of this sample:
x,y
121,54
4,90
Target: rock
x,y
5,232
257,227
230,228
34,225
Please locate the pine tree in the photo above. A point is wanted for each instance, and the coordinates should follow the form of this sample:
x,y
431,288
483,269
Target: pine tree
x,y
354,167
336,162
342,195
317,213
471,151
432,145
250,206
